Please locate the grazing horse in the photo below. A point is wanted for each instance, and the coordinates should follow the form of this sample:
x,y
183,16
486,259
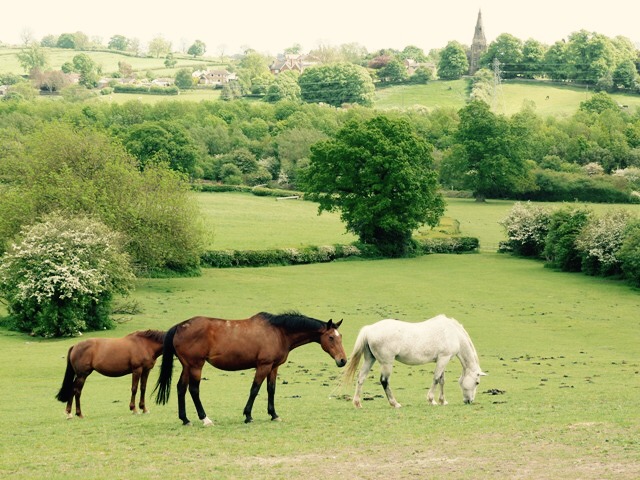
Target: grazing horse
x,y
438,340
114,357
262,342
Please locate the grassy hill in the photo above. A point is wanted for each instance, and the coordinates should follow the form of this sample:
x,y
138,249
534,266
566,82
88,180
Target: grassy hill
x,y
548,98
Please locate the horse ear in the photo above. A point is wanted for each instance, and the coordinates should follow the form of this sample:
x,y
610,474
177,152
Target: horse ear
x,y
330,324
339,323
482,374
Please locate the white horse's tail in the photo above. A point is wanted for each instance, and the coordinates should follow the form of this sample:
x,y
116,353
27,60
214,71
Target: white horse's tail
x,y
354,360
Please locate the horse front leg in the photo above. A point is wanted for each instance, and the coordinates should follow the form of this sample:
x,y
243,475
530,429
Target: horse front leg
x,y
385,375
261,373
271,393
135,379
438,379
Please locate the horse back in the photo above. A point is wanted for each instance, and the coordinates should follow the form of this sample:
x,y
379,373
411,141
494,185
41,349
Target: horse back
x,y
229,344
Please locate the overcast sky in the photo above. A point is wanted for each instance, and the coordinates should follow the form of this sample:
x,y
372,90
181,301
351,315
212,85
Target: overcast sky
x,y
271,26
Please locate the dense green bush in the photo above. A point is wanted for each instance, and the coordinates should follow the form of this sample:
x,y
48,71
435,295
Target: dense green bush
x,y
552,186
59,278
560,250
149,90
629,253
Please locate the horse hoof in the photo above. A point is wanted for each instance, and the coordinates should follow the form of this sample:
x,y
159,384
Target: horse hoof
x,y
276,419
248,420
69,416
397,405
207,422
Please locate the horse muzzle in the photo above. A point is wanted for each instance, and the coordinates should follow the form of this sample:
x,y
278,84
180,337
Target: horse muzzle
x,y
341,362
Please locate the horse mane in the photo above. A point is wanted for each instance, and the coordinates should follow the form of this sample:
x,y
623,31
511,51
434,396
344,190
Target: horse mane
x,y
154,335
293,321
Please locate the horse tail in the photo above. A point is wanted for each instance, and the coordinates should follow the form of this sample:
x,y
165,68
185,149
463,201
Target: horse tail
x,y
354,360
66,390
163,385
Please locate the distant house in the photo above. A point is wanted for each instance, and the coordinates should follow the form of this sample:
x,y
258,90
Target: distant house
x,y
162,82
291,62
411,65
214,77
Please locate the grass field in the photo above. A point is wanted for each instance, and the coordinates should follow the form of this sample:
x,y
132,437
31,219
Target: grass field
x,y
560,400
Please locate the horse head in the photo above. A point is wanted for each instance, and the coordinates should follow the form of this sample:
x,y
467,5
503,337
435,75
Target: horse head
x,y
469,382
331,342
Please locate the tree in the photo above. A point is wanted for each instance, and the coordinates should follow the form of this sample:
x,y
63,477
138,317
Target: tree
x,y
197,49
378,174
487,153
118,42
159,47
32,58
337,84
453,62
533,53
625,74
87,68
284,87
163,141
184,79
508,50
80,171
394,72
170,61
66,40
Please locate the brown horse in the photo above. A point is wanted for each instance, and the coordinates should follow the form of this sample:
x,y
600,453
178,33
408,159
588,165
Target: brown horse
x,y
114,357
262,342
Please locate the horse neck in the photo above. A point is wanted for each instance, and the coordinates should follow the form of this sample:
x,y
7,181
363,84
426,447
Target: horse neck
x,y
467,354
297,339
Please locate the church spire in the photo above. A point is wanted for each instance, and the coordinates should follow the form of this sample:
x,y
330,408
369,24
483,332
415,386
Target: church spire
x,y
478,46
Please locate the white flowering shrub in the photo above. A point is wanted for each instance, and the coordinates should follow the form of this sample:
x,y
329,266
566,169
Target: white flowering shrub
x,y
599,242
526,226
59,278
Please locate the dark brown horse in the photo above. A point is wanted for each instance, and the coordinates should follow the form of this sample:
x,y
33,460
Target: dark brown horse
x,y
262,342
114,357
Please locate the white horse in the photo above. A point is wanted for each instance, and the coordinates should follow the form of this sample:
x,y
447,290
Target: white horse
x,y
438,340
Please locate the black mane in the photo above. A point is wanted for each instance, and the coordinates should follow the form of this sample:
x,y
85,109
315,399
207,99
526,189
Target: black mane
x,y
293,321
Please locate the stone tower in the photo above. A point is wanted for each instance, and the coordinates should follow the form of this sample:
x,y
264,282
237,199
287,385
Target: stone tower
x,y
478,46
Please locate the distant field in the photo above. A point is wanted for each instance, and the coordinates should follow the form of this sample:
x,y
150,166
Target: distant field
x,y
549,99
185,95
107,60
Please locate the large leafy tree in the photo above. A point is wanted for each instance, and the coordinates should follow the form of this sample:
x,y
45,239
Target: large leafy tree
x,y
197,49
32,58
337,84
488,152
507,49
118,42
160,142
453,61
378,174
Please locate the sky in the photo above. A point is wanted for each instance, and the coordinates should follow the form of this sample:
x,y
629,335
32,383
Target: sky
x,y
271,26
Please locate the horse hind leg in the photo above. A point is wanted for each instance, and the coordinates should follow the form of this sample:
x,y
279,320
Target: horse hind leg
x,y
367,364
385,375
77,392
194,391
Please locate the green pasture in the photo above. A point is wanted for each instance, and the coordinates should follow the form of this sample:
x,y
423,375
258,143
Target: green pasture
x,y
108,60
561,350
195,95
